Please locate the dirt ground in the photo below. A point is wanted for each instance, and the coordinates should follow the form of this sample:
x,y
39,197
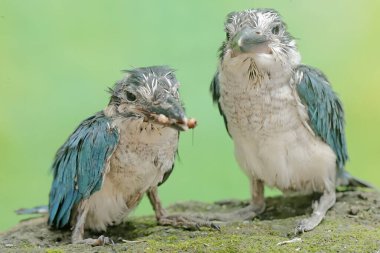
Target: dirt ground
x,y
352,225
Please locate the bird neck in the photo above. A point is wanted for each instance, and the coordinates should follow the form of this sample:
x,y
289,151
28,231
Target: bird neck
x,y
110,111
257,69
246,71
145,132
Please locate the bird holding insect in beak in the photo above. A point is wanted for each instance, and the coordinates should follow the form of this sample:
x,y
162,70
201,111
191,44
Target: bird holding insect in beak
x,y
286,122
117,155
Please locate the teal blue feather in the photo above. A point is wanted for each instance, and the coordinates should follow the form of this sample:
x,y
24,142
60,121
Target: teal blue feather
x,y
79,166
325,111
215,92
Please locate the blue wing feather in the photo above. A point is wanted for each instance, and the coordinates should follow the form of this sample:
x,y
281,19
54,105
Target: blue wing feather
x,y
79,166
324,109
215,92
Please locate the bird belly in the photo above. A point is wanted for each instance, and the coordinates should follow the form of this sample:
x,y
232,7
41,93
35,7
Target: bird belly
x,y
290,161
272,141
135,167
108,206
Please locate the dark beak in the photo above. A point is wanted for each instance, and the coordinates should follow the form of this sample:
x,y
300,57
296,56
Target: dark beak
x,y
170,113
250,40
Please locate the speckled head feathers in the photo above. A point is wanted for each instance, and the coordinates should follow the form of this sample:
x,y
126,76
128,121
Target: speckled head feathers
x,y
267,20
146,93
151,83
259,26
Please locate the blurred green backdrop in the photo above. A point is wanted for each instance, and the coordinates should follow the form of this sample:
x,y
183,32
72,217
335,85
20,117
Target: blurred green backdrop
x,y
58,57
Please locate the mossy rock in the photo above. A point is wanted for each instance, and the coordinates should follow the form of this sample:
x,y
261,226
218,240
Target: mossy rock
x,y
352,225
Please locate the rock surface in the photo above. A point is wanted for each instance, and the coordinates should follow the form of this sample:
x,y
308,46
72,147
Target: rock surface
x,y
352,225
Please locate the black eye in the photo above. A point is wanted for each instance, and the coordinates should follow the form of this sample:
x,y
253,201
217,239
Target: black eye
x,y
130,96
276,29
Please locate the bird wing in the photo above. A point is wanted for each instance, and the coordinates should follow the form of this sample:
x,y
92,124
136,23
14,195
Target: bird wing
x,y
215,92
169,172
80,165
325,111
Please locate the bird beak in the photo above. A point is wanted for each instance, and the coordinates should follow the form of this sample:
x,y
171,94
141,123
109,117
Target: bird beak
x,y
250,40
170,113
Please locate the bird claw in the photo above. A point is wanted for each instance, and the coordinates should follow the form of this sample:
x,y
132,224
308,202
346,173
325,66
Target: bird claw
x,y
305,225
243,214
214,226
103,240
299,229
186,222
100,241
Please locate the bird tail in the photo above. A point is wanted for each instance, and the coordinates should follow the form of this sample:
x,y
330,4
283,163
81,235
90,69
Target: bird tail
x,y
356,182
346,179
34,210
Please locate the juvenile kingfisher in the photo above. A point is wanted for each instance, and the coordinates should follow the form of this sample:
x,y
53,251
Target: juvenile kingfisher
x,y
286,122
117,155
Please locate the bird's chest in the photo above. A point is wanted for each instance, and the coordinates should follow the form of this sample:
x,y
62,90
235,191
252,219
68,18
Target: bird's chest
x,y
144,154
267,124
258,109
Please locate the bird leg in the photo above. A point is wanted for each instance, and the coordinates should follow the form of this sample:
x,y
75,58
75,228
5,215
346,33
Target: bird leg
x,y
78,231
175,220
156,203
320,208
257,193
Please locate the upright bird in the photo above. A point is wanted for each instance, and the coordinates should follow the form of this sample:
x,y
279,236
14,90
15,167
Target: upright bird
x,y
286,122
117,155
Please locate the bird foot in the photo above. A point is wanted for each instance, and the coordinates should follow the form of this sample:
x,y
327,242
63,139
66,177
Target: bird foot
x,y
245,213
308,224
319,211
101,241
187,222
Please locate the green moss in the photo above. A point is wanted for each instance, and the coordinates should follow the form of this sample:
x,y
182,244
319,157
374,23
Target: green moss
x,y
54,251
339,232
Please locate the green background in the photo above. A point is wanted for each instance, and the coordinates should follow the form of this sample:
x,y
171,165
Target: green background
x,y
58,57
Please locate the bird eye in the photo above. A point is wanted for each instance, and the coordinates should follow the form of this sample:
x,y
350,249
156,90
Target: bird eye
x,y
276,29
130,96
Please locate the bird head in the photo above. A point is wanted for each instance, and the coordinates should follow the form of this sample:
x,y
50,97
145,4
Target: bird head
x,y
260,34
151,94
